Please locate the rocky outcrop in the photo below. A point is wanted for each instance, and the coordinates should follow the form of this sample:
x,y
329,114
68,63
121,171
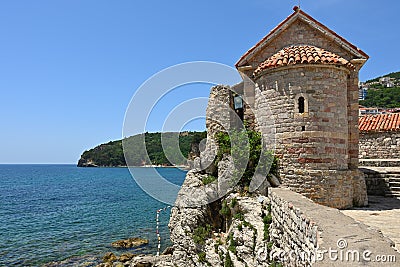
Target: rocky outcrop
x,y
242,239
86,163
187,216
139,261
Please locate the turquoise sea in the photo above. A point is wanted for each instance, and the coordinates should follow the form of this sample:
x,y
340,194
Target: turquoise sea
x,y
64,213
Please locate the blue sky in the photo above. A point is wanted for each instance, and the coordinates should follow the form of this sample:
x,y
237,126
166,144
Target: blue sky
x,y
68,68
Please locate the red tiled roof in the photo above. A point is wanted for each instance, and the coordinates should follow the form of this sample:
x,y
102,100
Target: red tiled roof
x,y
302,54
379,123
298,12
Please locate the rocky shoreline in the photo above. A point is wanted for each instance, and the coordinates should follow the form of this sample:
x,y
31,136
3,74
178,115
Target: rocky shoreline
x,y
124,256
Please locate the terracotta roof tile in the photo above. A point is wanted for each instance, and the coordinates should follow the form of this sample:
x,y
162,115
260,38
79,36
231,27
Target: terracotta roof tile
x,y
298,13
379,123
301,54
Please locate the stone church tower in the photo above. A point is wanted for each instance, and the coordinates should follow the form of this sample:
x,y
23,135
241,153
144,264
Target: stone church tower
x,y
308,76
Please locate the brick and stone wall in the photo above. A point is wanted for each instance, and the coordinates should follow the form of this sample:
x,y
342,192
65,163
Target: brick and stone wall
x,y
379,145
314,147
318,138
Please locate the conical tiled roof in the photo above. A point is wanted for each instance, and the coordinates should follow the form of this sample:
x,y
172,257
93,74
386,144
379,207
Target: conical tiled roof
x,y
300,15
301,54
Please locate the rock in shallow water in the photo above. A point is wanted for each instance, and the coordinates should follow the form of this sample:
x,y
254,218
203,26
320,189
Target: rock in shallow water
x,y
126,257
130,243
109,257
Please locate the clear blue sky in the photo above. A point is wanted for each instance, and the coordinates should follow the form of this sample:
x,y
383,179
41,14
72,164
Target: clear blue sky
x,y
68,68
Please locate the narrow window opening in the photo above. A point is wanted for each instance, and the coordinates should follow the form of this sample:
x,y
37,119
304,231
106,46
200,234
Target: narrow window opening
x,y
301,104
303,128
238,105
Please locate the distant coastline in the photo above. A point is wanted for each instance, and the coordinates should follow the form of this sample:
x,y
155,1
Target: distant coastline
x,y
187,167
152,153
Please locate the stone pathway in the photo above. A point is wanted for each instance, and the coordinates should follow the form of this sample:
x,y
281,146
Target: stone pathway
x,y
383,213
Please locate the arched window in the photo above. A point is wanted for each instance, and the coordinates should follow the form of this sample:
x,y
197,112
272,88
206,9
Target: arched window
x,y
301,104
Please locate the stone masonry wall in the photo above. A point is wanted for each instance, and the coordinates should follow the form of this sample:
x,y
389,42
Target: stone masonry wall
x,y
218,118
377,185
303,232
382,181
217,114
314,146
318,138
291,230
379,145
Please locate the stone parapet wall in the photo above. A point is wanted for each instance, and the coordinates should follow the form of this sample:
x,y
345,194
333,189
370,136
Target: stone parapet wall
x,y
292,230
379,145
380,162
302,229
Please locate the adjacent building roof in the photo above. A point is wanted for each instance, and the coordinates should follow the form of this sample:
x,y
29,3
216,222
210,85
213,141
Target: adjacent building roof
x,y
302,54
379,123
299,14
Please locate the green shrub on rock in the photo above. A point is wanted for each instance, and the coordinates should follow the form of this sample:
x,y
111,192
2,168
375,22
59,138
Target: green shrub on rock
x,y
228,260
202,256
201,233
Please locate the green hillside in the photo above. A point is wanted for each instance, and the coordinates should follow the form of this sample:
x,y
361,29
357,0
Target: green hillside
x,y
381,96
395,75
111,154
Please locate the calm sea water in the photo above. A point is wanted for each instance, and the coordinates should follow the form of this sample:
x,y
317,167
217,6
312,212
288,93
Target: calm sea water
x,y
57,212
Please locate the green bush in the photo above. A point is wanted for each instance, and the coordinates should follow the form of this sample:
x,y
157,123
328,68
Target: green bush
x,y
248,145
234,202
209,179
239,216
267,219
201,233
202,256
269,208
232,244
228,260
276,264
225,210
